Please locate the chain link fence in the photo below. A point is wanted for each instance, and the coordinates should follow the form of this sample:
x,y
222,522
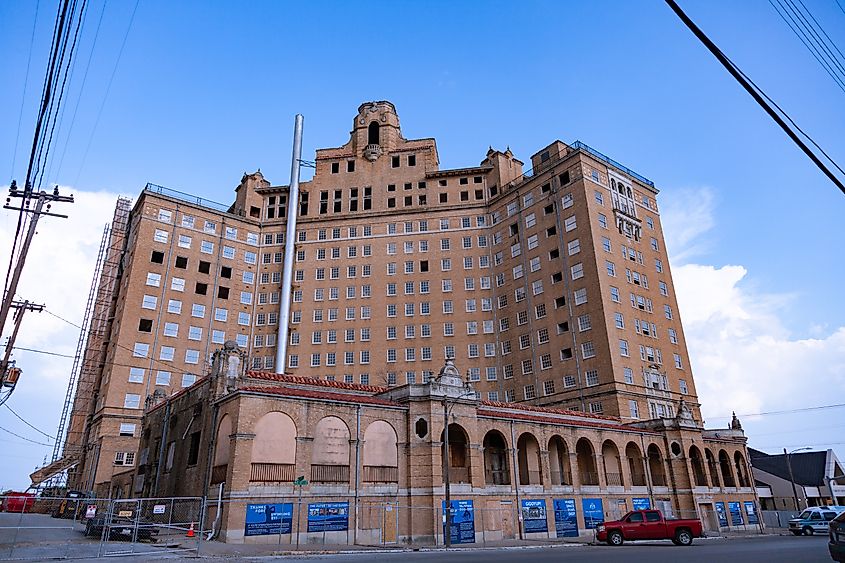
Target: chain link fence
x,y
78,527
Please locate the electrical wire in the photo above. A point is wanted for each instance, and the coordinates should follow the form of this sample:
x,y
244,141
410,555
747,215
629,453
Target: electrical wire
x,y
43,352
788,411
81,90
106,95
60,108
786,115
25,438
802,37
23,94
58,101
816,27
22,419
127,348
753,92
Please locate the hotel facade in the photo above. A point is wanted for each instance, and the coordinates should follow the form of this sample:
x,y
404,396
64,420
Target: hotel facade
x,y
547,286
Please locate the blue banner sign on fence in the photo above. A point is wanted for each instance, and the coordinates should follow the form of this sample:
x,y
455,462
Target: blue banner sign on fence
x,y
268,519
751,511
593,512
463,521
534,515
328,517
640,504
566,518
736,514
720,511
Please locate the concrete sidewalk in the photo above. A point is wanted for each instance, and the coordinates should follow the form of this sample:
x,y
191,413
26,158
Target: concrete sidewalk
x,y
215,549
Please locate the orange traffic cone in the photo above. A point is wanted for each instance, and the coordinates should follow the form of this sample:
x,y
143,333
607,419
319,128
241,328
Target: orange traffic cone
x,y
190,533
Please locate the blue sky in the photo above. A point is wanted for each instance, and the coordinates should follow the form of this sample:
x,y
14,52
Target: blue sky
x,y
206,91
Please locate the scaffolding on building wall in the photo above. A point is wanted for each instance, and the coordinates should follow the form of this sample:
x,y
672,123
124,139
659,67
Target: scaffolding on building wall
x,y
69,465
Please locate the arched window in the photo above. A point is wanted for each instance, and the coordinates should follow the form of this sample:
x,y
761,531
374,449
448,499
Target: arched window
x,y
528,459
373,134
221,450
496,466
712,467
459,463
559,462
273,449
612,464
725,467
330,451
635,464
380,453
699,477
587,473
655,466
741,472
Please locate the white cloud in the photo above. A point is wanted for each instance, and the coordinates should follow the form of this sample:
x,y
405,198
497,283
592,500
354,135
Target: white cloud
x,y
686,215
57,274
744,356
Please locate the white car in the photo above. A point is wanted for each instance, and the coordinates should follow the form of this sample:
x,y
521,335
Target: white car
x,y
815,519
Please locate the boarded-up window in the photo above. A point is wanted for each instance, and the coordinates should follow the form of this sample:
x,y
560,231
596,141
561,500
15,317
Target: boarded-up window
x,y
331,442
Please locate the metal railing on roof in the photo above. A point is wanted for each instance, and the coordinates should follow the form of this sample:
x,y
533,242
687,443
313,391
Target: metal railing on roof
x,y
190,198
607,159
577,145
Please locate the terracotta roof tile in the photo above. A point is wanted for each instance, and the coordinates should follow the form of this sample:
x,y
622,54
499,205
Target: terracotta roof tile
x,y
325,395
560,421
300,380
524,407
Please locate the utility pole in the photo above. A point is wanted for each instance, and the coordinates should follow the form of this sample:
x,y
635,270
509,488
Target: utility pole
x,y
9,379
42,207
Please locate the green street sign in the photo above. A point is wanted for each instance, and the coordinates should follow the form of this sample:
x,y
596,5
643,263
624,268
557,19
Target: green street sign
x,y
300,481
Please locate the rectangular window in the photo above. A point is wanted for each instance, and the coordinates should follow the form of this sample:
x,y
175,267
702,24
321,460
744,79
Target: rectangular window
x,y
136,375
163,377
131,401
141,350
580,296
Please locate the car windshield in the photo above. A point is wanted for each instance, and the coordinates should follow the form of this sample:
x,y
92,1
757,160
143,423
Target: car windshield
x,y
840,519
805,515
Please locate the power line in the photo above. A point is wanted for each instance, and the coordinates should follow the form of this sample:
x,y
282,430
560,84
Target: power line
x,y
25,438
81,90
43,352
106,95
60,109
788,411
22,419
127,348
815,27
774,103
804,40
732,69
23,94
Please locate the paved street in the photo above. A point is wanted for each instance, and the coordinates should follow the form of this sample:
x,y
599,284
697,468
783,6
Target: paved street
x,y
769,549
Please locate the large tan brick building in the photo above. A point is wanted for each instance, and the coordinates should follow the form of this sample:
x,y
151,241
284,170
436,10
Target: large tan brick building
x,y
548,286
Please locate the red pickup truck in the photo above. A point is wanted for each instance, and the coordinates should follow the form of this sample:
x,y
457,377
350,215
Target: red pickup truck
x,y
648,525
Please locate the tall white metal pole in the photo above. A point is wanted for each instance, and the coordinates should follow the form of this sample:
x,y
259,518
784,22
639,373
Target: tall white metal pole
x,y
290,242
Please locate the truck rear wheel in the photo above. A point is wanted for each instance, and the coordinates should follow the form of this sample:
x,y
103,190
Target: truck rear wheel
x,y
615,538
683,537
